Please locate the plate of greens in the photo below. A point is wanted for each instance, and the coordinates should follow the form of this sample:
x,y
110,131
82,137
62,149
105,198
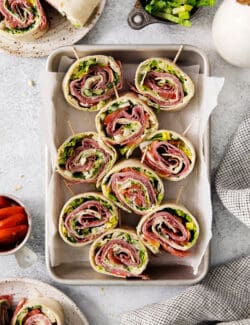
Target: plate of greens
x,y
179,12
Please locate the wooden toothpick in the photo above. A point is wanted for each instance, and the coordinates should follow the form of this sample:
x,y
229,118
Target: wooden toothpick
x,y
178,54
69,187
71,128
179,194
75,53
190,125
187,128
144,155
116,92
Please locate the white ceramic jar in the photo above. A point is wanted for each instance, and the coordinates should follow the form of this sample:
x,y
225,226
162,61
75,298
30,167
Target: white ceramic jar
x,y
231,32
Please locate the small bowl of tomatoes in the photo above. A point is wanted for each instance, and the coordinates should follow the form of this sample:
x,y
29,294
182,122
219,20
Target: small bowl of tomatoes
x,y
15,224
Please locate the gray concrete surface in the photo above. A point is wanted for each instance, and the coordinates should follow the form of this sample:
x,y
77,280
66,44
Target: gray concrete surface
x,y
21,153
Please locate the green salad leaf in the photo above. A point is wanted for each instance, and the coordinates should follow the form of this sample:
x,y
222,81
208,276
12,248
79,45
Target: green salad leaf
x,y
176,11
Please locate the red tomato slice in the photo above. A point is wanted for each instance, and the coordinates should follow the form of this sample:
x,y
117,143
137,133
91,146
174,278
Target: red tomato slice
x,y
12,221
9,211
12,235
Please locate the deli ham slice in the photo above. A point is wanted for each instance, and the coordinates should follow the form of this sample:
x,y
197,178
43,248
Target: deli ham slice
x,y
22,19
166,158
74,163
166,85
125,123
97,78
170,154
170,227
133,187
119,253
85,158
120,118
131,174
163,85
85,217
91,81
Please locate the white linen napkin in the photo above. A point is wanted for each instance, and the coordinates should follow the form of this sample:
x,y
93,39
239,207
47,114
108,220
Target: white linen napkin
x,y
222,298
233,177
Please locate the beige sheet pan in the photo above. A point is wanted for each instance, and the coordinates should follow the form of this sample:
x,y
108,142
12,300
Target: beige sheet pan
x,y
81,273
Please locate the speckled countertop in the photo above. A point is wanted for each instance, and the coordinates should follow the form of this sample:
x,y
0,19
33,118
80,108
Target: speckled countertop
x,y
21,153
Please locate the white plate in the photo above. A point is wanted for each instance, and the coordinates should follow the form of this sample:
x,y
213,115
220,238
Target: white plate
x,y
60,33
28,288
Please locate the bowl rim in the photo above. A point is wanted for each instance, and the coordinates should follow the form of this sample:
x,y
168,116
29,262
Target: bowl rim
x,y
24,241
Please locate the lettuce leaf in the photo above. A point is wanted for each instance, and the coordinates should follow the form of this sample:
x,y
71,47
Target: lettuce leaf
x,y
176,11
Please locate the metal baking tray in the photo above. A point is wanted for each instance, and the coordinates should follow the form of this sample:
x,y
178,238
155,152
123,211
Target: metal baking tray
x,y
81,273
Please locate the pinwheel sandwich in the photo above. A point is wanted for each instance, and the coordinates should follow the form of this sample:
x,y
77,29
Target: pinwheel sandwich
x,y
91,81
85,217
133,187
170,227
119,253
22,19
85,158
126,122
169,154
163,85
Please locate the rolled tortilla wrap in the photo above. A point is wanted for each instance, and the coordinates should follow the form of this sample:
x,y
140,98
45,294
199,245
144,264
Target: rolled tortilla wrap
x,y
119,253
85,158
133,187
163,85
42,310
77,12
170,227
86,217
89,82
169,154
126,122
22,19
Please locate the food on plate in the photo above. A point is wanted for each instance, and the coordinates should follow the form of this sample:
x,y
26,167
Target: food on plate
x,y
22,19
85,157
176,11
163,85
119,253
13,224
133,187
170,227
85,217
5,309
77,12
91,81
41,310
125,122
169,154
